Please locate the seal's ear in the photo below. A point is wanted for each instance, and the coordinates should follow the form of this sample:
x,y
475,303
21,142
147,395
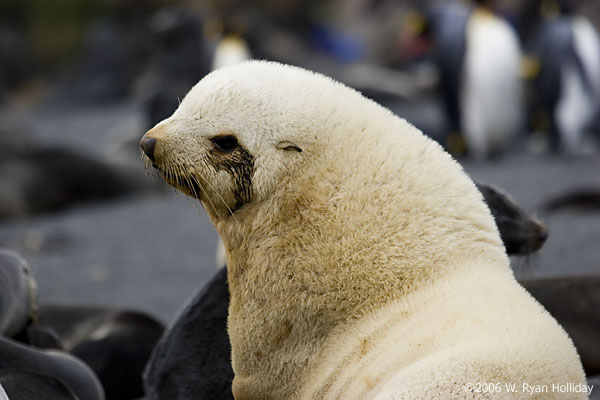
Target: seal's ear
x,y
288,146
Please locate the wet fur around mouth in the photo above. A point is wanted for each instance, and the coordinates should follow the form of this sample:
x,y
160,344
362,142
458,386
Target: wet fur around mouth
x,y
239,165
187,184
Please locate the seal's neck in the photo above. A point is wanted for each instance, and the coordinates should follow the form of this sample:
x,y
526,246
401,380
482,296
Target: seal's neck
x,y
332,248
288,294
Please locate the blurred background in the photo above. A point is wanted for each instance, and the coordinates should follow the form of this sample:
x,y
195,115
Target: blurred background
x,y
511,88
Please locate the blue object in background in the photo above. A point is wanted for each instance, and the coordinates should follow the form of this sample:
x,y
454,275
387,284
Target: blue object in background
x,y
343,47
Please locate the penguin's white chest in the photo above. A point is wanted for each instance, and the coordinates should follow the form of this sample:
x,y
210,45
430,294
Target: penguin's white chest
x,y
491,95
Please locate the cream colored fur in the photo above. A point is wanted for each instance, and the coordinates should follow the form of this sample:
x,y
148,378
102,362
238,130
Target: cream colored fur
x,y
367,265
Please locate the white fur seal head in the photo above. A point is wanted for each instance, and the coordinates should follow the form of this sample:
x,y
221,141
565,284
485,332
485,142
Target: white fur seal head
x,y
245,130
357,249
229,141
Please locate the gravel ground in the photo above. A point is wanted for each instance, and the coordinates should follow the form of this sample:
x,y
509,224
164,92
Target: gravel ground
x,y
149,253
153,252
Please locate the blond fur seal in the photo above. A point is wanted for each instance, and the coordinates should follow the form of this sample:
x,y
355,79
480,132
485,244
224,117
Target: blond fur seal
x,y
362,261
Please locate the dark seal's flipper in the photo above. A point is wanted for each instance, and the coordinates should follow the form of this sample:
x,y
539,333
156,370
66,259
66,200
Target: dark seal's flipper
x,y
70,371
24,385
193,359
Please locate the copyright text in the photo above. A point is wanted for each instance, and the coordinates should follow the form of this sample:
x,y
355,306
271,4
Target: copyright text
x,y
496,387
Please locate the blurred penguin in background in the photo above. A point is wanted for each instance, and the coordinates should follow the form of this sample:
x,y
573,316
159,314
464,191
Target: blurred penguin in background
x,y
231,46
491,93
563,65
478,57
447,22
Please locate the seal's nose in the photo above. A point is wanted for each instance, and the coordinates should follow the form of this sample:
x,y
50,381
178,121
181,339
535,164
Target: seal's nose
x,y
543,235
148,144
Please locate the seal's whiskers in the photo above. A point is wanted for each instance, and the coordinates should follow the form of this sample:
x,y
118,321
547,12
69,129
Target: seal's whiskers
x,y
216,192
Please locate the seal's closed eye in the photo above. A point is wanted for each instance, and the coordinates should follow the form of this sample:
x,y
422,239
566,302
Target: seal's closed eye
x,y
225,143
288,146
